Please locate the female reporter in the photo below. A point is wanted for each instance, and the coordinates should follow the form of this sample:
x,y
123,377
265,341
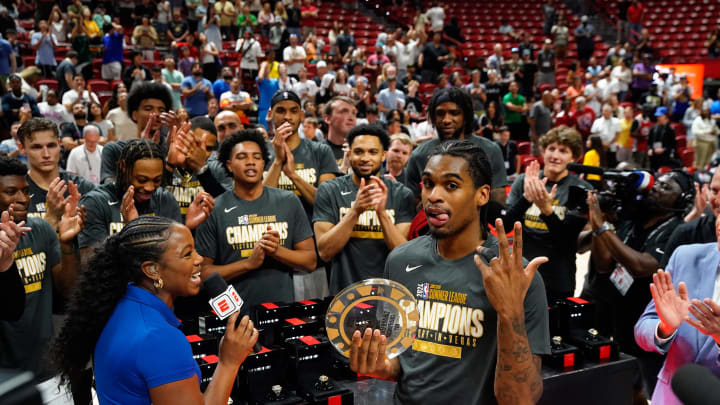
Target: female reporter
x,y
121,318
539,200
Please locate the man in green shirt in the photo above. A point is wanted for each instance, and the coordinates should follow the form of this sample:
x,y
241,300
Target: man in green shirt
x,y
515,110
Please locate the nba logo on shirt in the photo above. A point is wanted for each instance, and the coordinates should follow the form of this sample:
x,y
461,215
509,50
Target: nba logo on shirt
x,y
243,220
423,290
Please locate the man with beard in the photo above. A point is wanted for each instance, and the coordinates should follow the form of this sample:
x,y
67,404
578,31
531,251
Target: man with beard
x,y
49,186
623,262
197,91
451,113
341,115
450,360
360,217
397,157
258,234
137,191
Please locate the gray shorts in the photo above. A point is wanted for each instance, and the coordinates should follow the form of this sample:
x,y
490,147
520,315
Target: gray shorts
x,y
111,71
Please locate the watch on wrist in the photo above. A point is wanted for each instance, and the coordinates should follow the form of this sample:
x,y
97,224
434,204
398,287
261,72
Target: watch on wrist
x,y
606,226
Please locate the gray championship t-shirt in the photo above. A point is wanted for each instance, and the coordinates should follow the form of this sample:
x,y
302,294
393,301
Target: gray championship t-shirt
x,y
364,255
421,154
104,217
24,343
453,357
229,235
312,160
184,187
38,196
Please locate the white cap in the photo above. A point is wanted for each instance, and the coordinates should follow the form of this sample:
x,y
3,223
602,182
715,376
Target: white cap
x,y
584,18
321,64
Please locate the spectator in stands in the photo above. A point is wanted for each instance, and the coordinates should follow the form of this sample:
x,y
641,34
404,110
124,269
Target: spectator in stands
x,y
377,60
237,100
71,132
436,16
266,18
540,119
172,77
294,56
641,77
584,34
97,118
566,115
58,24
304,87
397,157
584,117
645,123
432,58
163,17
246,21
712,43
146,37
14,100
136,72
222,84
549,15
285,82
43,44
341,86
635,15
622,23
360,94
85,161
477,92
625,138
496,60
79,91
661,142
623,75
197,91
178,29
508,147
491,121
75,10
266,89
527,74
706,131
516,109
210,24
607,128
53,110
308,13
8,63
560,37
691,113
112,59
644,46
390,98
546,64
125,128
209,55
680,94
226,10
292,16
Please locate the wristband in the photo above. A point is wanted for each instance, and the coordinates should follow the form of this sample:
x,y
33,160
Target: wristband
x,y
606,226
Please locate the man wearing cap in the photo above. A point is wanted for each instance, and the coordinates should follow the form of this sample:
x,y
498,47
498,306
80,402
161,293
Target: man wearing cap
x,y
8,64
584,37
299,165
546,64
680,96
511,67
661,141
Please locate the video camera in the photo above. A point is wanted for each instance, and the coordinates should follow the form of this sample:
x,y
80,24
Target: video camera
x,y
623,191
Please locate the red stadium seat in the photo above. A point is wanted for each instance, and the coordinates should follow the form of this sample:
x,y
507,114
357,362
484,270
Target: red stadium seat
x,y
687,155
523,148
99,85
680,141
51,83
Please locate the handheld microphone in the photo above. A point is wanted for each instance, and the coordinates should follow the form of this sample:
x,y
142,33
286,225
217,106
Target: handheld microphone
x,y
224,300
694,384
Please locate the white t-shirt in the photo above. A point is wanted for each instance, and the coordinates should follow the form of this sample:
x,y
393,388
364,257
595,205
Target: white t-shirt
x,y
296,52
56,113
125,128
308,88
437,18
623,77
406,54
287,84
606,129
249,59
85,164
71,95
240,97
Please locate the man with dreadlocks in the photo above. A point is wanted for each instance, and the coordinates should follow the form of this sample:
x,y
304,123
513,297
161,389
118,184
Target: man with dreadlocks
x,y
49,186
137,191
46,262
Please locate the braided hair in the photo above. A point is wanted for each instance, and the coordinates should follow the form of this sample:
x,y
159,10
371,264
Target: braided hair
x,y
100,287
134,150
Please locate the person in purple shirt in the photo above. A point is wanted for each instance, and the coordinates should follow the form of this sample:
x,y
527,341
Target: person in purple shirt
x,y
642,78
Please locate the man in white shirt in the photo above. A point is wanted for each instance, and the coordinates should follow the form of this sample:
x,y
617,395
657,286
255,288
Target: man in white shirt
x,y
407,54
249,50
85,161
305,88
437,17
294,57
607,128
235,99
53,110
78,91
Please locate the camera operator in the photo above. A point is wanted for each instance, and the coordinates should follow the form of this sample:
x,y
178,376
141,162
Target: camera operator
x,y
624,260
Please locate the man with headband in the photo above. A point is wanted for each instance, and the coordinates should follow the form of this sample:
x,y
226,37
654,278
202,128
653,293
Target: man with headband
x,y
626,254
299,165
451,113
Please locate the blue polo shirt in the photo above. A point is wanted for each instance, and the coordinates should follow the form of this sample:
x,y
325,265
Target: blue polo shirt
x,y
197,103
140,348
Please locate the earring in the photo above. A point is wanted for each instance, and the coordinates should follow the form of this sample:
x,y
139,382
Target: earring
x,y
158,283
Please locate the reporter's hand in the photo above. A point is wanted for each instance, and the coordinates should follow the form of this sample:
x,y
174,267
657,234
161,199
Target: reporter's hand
x,y
367,354
238,340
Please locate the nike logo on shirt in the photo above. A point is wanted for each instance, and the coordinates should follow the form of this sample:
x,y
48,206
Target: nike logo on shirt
x,y
111,203
345,192
409,269
230,209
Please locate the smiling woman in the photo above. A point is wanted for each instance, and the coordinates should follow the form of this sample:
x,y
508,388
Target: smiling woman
x,y
139,355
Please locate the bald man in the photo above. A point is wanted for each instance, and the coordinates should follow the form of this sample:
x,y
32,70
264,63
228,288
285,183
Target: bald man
x,y
227,123
85,159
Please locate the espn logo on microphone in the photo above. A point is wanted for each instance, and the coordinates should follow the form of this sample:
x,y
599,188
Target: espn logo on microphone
x,y
226,303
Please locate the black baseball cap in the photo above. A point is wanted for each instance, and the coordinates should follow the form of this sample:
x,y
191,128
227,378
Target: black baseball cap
x,y
283,95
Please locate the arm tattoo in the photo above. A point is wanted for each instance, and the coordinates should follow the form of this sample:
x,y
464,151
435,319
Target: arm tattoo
x,y
517,374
